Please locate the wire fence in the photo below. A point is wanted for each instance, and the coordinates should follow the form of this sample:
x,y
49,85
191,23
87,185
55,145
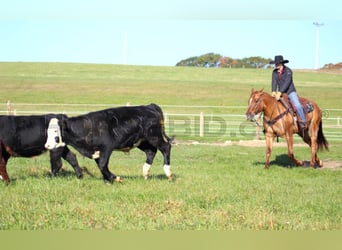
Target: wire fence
x,y
212,123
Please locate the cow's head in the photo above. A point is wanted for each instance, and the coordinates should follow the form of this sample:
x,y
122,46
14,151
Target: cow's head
x,y
54,136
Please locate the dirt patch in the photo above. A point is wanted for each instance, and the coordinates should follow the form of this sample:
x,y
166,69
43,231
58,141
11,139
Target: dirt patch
x,y
331,164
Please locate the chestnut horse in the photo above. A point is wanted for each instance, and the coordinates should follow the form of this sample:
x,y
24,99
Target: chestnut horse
x,y
279,121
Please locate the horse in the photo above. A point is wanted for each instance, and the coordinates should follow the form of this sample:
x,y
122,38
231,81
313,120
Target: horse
x,y
279,120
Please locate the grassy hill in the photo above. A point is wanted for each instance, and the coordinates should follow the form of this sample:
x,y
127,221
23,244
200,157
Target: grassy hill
x,y
119,84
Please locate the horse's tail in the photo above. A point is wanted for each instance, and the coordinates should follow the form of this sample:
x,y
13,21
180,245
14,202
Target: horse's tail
x,y
321,141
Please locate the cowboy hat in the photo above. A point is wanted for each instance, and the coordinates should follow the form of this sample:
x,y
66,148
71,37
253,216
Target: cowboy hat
x,y
279,60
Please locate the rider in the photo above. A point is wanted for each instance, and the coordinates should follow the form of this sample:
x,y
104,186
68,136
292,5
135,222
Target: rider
x,y
282,80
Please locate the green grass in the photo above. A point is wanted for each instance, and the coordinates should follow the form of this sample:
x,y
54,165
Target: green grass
x,y
220,188
215,187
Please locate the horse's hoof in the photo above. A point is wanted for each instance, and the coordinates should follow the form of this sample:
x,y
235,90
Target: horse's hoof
x,y
300,163
170,178
320,164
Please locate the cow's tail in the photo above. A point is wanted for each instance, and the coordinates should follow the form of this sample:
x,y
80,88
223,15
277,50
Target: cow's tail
x,y
165,137
162,123
321,141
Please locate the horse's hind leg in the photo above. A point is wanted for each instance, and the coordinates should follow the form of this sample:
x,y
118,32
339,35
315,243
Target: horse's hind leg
x,y
314,158
289,140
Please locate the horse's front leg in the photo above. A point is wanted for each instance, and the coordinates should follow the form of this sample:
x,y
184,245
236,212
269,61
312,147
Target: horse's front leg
x,y
269,145
289,140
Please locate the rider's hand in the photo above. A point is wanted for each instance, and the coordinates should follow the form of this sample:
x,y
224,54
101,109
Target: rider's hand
x,y
276,95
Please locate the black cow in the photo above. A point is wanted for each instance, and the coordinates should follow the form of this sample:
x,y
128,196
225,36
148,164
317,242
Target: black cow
x,y
96,134
25,136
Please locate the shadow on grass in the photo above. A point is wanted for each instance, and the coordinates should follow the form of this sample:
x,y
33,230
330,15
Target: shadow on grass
x,y
279,161
70,173
159,177
285,162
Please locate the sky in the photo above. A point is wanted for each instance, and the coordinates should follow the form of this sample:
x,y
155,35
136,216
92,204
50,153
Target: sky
x,y
162,33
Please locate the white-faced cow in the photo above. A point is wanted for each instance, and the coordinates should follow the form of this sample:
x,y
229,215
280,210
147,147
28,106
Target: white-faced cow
x,y
25,136
96,134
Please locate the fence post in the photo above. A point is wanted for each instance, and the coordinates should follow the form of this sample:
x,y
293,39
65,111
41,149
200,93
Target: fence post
x,y
166,122
201,130
8,107
166,118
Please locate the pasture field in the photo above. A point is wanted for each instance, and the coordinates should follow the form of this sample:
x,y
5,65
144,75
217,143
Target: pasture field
x,y
215,187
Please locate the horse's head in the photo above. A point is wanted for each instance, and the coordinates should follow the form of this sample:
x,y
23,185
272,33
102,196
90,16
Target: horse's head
x,y
255,104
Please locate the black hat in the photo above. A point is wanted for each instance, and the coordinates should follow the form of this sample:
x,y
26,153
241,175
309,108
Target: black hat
x,y
279,60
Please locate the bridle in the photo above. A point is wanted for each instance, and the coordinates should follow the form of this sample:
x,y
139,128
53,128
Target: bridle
x,y
256,105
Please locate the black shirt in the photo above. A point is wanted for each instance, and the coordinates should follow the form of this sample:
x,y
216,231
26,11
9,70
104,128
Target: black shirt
x,y
285,83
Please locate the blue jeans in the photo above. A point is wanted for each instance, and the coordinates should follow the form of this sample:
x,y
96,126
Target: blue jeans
x,y
295,101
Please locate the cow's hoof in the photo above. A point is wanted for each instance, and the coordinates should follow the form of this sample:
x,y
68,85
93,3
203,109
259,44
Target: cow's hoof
x,y
118,179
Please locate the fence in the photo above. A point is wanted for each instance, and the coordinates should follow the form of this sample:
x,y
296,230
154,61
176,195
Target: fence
x,y
212,123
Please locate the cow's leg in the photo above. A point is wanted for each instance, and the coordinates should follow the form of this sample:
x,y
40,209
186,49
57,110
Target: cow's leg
x,y
289,140
165,149
158,139
55,160
102,163
3,162
3,171
150,152
71,158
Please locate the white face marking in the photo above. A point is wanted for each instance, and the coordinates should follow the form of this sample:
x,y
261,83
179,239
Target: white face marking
x,y
250,101
54,137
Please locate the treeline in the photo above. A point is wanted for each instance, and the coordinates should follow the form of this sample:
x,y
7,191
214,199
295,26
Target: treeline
x,y
217,60
331,66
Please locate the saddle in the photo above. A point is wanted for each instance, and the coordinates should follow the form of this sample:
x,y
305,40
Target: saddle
x,y
306,105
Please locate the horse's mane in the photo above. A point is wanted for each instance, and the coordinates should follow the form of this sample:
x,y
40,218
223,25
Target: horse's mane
x,y
263,93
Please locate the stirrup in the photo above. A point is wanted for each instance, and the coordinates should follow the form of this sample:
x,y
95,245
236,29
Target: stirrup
x,y
302,125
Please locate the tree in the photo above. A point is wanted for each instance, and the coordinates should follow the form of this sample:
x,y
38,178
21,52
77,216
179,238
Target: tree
x,y
200,61
212,59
